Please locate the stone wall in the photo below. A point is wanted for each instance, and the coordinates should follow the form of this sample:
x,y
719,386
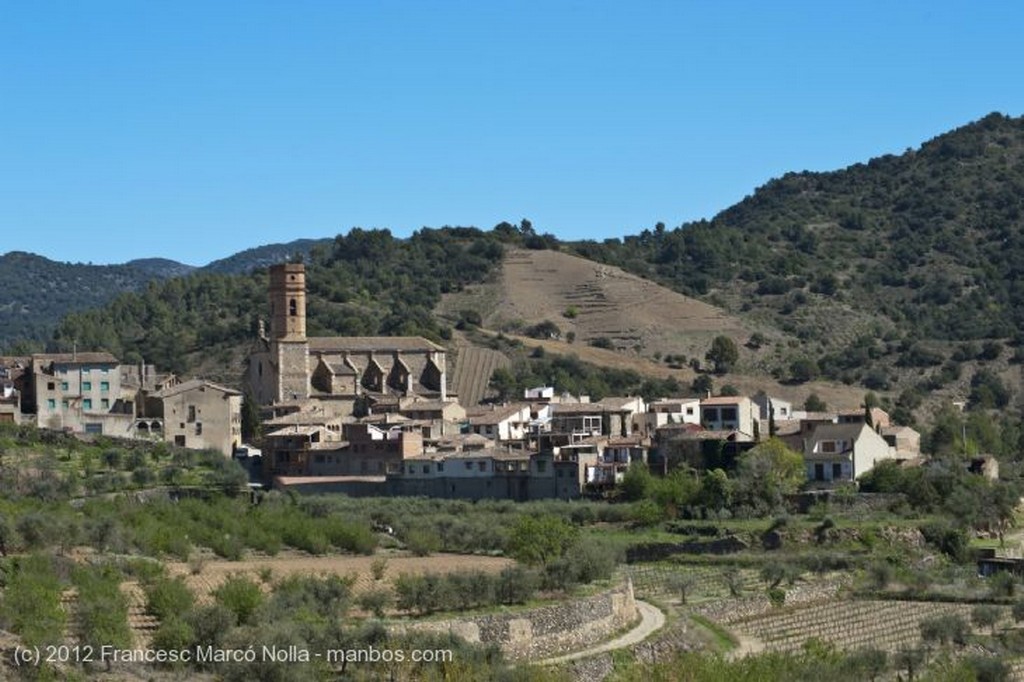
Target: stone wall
x,y
546,631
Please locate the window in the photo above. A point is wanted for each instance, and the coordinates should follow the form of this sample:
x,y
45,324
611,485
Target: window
x,y
828,446
51,403
199,428
426,468
837,470
483,466
104,385
179,441
64,386
728,414
293,308
105,403
191,413
542,466
440,466
86,385
689,411
50,386
87,404
469,465
819,472
64,404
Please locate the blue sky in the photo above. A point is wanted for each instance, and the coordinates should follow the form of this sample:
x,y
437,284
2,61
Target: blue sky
x,y
192,130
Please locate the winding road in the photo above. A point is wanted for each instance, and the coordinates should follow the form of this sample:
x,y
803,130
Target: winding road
x,y
652,619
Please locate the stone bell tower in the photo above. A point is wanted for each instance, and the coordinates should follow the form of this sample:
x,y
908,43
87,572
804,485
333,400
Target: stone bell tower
x,y
289,346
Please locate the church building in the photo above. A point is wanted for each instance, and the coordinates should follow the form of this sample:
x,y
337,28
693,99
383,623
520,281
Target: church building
x,y
333,373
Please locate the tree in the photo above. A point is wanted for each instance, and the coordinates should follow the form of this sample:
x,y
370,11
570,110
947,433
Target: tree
x,y
803,370
681,584
251,427
986,616
636,482
767,473
723,353
815,403
503,382
537,540
702,385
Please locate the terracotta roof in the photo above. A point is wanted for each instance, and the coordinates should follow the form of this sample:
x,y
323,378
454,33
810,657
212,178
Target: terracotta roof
x,y
723,400
297,430
305,417
377,344
577,408
616,402
89,358
193,385
418,405
499,413
838,431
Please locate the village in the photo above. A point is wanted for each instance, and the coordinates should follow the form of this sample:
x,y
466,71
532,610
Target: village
x,y
374,416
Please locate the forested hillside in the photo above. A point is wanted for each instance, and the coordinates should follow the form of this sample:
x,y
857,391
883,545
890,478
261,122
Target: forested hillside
x,y
905,264
366,282
35,292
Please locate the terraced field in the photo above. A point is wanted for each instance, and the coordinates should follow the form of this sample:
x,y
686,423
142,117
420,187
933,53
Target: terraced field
x,y
889,625
472,372
656,580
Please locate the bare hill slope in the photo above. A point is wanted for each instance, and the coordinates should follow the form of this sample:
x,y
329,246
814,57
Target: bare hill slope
x,y
594,301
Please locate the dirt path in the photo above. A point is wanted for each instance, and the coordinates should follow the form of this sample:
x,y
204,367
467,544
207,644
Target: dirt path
x,y
652,619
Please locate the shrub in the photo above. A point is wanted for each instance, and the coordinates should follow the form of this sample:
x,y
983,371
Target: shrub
x,y
375,601
423,541
241,596
31,604
169,598
102,608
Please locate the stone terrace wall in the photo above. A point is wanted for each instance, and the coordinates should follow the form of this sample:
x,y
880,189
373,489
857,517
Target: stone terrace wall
x,y
548,630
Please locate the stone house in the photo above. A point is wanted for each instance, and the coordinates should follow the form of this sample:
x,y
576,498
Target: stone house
x,y
201,415
80,392
501,423
841,453
728,413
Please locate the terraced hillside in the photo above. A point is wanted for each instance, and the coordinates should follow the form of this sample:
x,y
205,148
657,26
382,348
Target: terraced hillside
x,y
597,301
472,371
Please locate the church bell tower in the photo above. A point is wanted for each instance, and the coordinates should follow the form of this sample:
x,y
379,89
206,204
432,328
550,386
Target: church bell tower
x,y
288,330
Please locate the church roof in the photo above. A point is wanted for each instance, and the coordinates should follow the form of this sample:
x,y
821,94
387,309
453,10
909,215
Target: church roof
x,y
376,344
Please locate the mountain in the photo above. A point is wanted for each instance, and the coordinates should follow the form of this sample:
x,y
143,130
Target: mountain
x,y
161,268
903,272
36,292
264,256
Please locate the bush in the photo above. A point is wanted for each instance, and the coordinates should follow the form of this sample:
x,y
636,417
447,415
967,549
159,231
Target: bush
x,y
31,605
240,596
423,541
169,598
375,601
102,608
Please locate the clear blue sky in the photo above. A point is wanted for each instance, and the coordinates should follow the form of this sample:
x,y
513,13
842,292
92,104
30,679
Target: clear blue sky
x,y
192,130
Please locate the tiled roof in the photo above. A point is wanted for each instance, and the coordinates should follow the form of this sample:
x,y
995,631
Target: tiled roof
x,y
192,385
377,344
723,400
837,431
101,357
